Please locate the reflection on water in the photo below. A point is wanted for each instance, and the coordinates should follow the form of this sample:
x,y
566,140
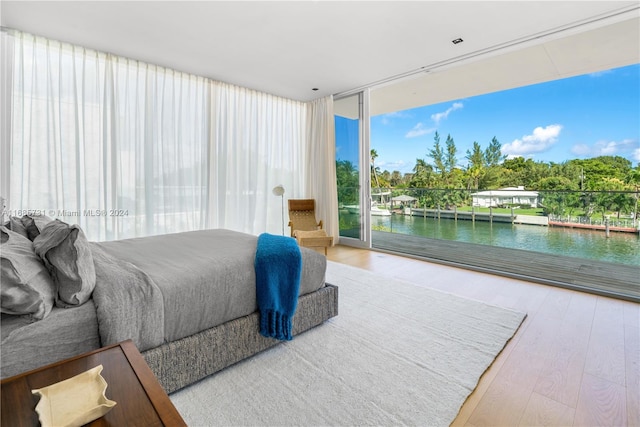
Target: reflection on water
x,y
622,248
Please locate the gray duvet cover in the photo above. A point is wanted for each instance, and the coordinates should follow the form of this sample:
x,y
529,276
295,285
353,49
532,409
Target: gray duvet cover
x,y
155,290
205,277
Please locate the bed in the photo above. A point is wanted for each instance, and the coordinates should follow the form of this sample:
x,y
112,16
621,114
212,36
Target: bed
x,y
187,300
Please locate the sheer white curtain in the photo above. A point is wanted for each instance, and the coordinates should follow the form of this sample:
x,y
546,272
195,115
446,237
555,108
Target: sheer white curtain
x,y
258,142
127,149
115,145
321,161
6,79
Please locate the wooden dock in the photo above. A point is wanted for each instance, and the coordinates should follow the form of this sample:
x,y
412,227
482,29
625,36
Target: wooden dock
x,y
480,216
594,227
599,277
463,215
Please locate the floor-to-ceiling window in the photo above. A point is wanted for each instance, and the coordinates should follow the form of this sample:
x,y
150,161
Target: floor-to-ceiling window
x,y
536,182
528,156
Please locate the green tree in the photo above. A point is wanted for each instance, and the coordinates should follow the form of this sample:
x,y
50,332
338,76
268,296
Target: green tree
x,y
423,176
395,179
567,170
597,168
348,182
633,179
437,154
557,183
451,159
556,200
493,154
610,196
526,173
476,165
444,161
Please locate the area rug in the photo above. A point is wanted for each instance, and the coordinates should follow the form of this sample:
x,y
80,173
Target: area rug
x,y
396,354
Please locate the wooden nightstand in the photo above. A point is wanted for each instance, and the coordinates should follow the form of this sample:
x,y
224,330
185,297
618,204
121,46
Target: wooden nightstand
x,y
141,401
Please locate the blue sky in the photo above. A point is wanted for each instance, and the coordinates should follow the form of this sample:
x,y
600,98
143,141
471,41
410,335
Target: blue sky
x,y
579,117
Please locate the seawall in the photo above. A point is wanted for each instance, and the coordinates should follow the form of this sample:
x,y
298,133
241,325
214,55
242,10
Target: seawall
x,y
480,216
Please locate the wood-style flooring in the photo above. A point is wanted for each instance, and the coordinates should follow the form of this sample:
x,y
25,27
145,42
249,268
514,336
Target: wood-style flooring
x,y
575,361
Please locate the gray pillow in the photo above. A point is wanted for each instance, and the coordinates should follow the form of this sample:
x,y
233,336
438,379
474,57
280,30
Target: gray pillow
x,y
26,287
66,253
34,224
15,225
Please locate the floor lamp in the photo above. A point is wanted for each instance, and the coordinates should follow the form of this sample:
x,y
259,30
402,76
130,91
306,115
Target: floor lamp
x,y
278,190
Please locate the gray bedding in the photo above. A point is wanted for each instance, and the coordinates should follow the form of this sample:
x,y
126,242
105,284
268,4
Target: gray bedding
x,y
152,290
64,333
215,273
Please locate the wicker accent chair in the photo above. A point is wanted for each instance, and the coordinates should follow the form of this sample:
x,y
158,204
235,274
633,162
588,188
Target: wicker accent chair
x,y
305,228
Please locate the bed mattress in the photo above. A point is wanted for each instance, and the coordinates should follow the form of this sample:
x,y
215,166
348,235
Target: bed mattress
x,y
65,332
206,277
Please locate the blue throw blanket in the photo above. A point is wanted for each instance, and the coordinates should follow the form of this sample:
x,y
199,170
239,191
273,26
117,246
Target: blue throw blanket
x,y
278,266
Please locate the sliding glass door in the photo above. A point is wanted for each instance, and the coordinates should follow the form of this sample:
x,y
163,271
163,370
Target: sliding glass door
x,y
352,142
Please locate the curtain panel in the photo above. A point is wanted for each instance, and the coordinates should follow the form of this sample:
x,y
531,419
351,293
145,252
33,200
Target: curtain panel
x,y
127,149
6,93
321,161
115,145
257,143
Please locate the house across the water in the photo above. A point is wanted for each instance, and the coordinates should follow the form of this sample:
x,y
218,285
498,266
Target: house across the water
x,y
509,196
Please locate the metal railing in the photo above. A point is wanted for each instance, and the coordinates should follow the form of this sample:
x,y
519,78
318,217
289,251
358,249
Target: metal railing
x,y
584,207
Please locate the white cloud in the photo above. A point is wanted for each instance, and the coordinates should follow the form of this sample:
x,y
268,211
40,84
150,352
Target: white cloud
x,y
439,116
608,148
540,140
581,150
515,156
387,118
392,166
418,130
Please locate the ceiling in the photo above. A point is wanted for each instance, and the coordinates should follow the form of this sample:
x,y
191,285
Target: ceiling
x,y
403,49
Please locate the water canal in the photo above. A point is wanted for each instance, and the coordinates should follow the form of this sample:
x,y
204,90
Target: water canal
x,y
623,248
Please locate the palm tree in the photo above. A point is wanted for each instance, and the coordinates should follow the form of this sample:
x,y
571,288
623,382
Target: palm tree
x,y
422,174
374,156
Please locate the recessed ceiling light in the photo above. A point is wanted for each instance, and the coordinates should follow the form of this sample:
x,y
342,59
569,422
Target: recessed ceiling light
x,y
456,41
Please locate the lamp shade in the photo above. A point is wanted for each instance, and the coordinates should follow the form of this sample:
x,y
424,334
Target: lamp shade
x,y
278,190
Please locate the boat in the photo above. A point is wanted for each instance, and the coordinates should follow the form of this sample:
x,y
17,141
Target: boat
x,y
375,210
352,209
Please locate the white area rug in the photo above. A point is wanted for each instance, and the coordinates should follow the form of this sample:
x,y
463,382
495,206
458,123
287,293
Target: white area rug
x,y
396,354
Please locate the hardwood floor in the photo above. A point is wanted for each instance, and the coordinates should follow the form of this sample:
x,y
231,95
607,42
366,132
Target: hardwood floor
x,y
575,361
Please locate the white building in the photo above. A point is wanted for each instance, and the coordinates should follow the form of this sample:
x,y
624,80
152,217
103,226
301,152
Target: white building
x,y
505,196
